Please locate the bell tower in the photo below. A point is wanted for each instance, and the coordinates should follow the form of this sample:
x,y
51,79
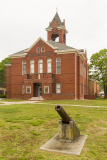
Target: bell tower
x,y
56,31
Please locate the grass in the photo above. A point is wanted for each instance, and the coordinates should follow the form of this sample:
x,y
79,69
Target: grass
x,y
25,128
11,100
97,102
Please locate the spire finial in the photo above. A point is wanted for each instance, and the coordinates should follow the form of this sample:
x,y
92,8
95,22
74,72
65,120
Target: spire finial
x,y
56,10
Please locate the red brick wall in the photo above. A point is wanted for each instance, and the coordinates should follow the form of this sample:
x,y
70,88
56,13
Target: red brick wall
x,y
93,97
8,82
66,78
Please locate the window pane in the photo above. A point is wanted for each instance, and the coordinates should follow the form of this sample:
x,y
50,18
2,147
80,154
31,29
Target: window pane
x,y
32,70
32,65
40,70
49,65
58,70
58,85
24,66
40,61
24,71
49,70
58,91
40,65
58,59
58,64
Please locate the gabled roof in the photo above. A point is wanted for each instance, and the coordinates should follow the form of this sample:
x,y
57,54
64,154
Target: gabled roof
x,y
37,41
59,46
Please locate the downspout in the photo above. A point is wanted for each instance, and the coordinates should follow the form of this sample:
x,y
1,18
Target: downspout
x,y
83,87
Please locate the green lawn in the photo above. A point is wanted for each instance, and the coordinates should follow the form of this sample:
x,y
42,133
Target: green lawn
x,y
97,102
25,128
11,100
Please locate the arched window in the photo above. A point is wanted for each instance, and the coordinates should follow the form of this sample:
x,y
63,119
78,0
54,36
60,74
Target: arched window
x,y
24,67
40,66
49,66
37,49
58,65
42,49
32,66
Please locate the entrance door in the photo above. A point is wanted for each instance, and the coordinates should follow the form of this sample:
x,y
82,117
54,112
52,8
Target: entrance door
x,y
39,89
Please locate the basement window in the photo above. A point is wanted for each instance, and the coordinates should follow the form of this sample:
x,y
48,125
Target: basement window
x,y
28,89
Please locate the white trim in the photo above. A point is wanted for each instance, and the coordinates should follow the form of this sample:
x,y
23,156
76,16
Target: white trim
x,y
44,89
70,51
28,87
18,55
48,29
7,65
37,42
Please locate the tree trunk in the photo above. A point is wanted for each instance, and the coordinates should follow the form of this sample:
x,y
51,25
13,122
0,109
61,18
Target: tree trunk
x,y
105,91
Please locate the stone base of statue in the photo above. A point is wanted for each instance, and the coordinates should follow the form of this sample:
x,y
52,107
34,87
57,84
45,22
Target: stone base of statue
x,y
68,132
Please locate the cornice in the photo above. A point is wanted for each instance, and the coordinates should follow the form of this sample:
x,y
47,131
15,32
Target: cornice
x,y
18,55
7,64
70,51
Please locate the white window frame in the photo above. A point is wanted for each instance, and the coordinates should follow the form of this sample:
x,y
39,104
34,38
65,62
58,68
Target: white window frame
x,y
26,89
42,50
44,89
39,64
37,49
22,88
58,88
47,65
22,66
56,65
32,62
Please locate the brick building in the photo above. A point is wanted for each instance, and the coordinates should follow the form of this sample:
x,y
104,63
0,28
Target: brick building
x,y
48,69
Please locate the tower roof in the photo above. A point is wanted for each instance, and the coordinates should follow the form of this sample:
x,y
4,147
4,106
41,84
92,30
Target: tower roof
x,y
57,18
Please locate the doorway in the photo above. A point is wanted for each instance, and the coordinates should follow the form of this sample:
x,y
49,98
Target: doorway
x,y
37,89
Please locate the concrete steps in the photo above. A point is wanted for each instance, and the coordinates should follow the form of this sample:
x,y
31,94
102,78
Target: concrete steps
x,y
36,99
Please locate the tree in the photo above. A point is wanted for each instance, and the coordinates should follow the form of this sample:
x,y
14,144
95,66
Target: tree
x,y
98,69
3,69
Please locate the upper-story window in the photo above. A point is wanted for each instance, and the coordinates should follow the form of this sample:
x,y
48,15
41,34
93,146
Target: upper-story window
x,y
40,66
32,66
42,49
37,49
24,67
58,65
49,65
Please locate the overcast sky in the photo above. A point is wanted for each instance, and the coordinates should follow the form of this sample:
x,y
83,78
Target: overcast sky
x,y
22,22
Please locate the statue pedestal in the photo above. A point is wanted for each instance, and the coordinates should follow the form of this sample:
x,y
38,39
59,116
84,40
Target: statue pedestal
x,y
68,132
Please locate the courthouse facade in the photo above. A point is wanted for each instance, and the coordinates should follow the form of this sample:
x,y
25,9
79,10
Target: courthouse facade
x,y
48,69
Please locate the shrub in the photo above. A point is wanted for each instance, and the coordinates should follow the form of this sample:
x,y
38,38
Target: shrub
x,y
2,96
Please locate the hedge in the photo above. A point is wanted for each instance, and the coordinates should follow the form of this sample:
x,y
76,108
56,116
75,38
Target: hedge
x,y
2,96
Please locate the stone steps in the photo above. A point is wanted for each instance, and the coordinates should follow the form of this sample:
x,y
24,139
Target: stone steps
x,y
36,99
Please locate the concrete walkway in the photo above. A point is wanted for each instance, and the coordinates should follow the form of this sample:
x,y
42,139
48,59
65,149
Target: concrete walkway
x,y
39,102
22,102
